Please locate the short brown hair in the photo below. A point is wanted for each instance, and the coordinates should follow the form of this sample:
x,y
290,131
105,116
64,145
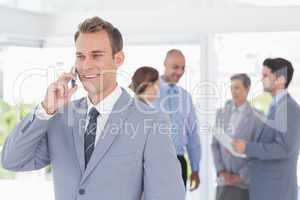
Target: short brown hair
x,y
280,67
96,24
244,78
142,78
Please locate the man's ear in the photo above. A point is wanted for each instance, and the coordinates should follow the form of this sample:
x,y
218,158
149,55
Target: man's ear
x,y
281,81
119,58
247,90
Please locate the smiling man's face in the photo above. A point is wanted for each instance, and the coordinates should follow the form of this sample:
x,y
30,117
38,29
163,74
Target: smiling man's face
x,y
95,62
174,68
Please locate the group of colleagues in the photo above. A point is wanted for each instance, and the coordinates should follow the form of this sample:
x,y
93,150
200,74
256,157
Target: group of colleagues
x,y
269,142
94,157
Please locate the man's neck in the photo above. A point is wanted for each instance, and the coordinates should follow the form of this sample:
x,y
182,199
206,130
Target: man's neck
x,y
238,104
168,80
278,91
95,99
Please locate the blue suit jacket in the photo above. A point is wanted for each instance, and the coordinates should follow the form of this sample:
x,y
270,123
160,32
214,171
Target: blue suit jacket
x,y
274,154
133,155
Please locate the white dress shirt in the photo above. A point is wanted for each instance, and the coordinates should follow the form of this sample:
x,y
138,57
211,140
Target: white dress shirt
x,y
104,108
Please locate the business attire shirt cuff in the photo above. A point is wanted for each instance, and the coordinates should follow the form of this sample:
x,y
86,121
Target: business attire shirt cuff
x,y
41,113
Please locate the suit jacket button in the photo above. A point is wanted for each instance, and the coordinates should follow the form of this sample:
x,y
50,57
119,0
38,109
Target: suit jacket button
x,y
81,191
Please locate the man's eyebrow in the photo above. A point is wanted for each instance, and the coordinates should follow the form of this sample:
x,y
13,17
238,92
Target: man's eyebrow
x,y
95,51
179,66
98,51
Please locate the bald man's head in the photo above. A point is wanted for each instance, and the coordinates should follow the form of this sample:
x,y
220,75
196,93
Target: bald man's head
x,y
174,66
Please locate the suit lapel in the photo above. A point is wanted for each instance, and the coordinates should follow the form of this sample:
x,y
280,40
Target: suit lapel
x,y
111,130
267,122
243,124
227,115
79,113
260,129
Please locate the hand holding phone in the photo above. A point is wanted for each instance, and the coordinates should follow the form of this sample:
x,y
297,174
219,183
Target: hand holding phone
x,y
58,93
73,81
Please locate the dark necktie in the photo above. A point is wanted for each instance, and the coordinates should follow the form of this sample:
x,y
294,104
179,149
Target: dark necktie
x,y
270,116
90,135
271,113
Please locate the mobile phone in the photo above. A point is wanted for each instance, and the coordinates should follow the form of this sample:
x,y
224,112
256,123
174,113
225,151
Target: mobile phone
x,y
73,81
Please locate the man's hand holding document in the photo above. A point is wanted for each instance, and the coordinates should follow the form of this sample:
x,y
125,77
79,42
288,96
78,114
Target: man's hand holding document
x,y
226,141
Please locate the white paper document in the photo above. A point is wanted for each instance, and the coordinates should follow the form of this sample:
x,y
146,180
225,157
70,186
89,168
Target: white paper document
x,y
226,141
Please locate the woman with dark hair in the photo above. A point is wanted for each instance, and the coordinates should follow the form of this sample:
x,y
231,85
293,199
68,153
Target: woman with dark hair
x,y
145,84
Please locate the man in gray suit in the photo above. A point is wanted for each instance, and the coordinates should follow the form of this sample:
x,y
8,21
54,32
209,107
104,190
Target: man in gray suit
x,y
274,153
237,119
105,146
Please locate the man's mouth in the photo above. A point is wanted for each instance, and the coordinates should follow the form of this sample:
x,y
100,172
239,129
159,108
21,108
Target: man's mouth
x,y
176,77
90,76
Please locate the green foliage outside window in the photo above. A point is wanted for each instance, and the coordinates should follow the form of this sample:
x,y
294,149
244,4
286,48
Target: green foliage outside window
x,y
9,116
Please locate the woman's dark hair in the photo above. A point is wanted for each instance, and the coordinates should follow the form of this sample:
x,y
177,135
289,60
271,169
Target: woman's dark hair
x,y
143,77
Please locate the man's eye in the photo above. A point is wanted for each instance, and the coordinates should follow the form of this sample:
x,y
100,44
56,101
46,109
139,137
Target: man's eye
x,y
97,55
79,56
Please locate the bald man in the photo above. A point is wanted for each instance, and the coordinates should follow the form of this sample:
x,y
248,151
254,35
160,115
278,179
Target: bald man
x,y
177,103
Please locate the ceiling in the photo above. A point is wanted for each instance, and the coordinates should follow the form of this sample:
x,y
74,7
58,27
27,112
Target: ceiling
x,y
50,23
71,6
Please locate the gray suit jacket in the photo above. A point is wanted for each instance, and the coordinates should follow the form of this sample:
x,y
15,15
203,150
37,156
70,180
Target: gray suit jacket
x,y
274,154
223,160
134,154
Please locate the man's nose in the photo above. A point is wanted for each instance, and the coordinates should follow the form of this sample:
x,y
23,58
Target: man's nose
x,y
87,63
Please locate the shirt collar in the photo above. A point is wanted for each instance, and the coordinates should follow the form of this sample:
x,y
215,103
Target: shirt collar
x,y
163,82
106,105
167,85
241,108
149,103
279,96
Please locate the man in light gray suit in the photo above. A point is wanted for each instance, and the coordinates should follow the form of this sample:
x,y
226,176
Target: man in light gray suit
x,y
105,146
274,153
237,119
